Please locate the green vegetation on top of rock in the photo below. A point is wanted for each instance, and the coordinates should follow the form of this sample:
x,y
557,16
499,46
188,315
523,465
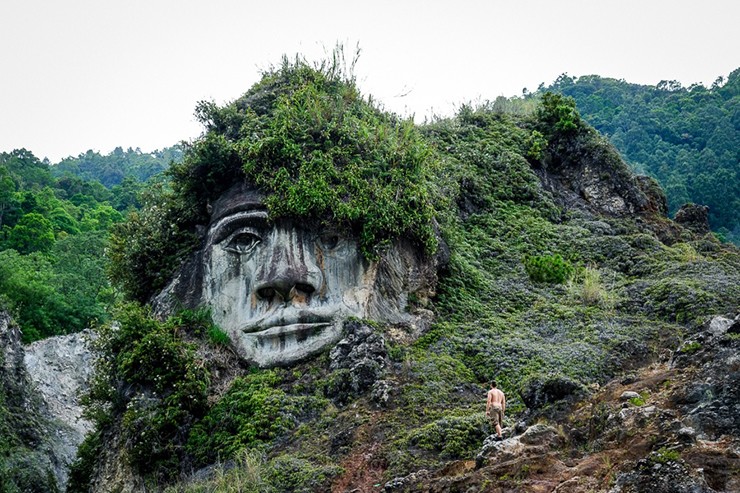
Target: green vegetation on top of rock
x,y
317,149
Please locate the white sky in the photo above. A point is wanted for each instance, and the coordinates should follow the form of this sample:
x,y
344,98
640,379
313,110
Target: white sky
x,y
96,74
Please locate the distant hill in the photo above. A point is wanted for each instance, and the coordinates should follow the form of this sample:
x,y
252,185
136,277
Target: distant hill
x,y
111,169
688,138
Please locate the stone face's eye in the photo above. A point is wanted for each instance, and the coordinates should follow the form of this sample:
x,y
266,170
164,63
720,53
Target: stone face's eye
x,y
242,242
329,240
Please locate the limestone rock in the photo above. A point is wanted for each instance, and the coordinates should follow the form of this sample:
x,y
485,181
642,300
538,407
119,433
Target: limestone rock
x,y
538,439
40,457
60,369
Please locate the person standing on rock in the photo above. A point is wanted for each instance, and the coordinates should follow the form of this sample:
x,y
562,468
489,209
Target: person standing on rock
x,y
495,408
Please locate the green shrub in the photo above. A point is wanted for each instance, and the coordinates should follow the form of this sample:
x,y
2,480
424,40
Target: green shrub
x,y
665,455
690,347
151,380
290,474
453,437
82,470
251,414
217,336
548,268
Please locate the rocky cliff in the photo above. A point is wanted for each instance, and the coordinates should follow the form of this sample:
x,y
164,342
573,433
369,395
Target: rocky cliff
x,y
40,411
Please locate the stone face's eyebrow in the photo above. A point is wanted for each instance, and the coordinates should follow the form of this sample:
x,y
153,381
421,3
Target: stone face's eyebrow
x,y
223,227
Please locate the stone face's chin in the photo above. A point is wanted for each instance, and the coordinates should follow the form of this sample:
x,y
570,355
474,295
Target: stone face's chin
x,y
287,344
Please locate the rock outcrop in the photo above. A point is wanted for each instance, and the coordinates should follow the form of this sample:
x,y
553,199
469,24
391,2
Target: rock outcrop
x,y
694,217
39,406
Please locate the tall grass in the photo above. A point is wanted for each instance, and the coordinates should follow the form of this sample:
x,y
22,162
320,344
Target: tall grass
x,y
246,474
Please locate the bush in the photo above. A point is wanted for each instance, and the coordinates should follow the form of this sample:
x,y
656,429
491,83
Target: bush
x,y
290,474
453,437
151,380
548,268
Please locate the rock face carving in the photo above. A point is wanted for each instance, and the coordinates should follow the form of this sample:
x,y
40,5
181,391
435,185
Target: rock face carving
x,y
283,289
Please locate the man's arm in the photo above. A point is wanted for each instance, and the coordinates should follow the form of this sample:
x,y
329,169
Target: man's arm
x,y
488,403
503,403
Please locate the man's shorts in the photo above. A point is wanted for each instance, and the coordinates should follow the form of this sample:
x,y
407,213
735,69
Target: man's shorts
x,y
496,416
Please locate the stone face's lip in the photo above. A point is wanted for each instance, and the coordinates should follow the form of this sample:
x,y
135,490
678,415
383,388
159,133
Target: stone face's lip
x,y
288,329
288,322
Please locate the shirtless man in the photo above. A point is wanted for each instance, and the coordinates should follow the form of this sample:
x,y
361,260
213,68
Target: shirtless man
x,y
495,407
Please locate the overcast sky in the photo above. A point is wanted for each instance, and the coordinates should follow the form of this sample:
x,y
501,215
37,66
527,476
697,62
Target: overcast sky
x,y
96,74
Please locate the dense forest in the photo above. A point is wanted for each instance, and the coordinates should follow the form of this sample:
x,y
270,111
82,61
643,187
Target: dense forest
x,y
54,222
688,138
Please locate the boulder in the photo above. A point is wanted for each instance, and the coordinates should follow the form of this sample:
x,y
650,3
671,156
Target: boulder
x,y
654,475
694,217
712,403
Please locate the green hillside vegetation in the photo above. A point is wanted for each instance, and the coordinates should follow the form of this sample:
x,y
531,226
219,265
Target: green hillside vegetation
x,y
541,293
54,223
688,138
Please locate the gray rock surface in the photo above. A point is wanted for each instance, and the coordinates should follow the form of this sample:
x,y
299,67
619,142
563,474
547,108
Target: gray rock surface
x,y
712,404
283,289
629,394
60,369
653,476
536,440
358,362
47,444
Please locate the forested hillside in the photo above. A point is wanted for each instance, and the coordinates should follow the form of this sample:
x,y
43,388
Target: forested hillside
x,y
54,222
688,138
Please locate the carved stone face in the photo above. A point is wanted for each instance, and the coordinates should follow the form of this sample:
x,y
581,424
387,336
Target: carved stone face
x,y
280,290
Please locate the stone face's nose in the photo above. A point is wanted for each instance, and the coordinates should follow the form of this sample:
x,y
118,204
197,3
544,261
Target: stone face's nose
x,y
288,271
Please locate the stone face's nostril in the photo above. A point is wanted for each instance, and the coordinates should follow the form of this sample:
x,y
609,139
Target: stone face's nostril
x,y
305,288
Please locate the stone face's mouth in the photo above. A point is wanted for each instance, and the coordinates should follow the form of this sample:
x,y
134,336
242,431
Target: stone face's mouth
x,y
287,325
296,330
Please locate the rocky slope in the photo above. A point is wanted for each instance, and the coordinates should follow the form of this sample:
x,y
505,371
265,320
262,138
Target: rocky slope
x,y
669,427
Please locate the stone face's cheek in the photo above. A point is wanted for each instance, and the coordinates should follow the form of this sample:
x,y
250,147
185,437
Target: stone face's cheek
x,y
343,270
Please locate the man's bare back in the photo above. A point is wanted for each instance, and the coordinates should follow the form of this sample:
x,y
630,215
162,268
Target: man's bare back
x,y
495,407
496,398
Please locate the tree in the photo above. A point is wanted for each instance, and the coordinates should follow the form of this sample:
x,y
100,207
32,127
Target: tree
x,y
33,233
